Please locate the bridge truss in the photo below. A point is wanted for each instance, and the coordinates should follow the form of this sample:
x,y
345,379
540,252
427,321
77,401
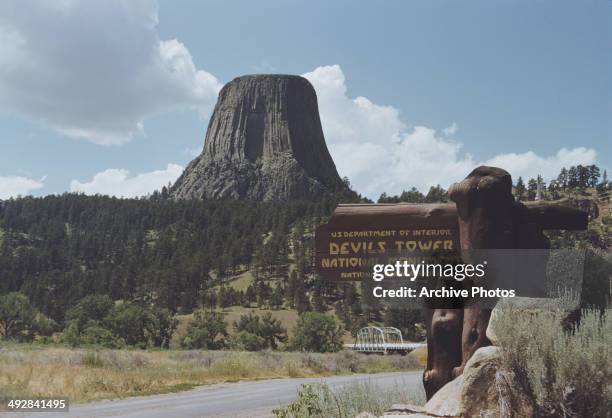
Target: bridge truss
x,y
381,340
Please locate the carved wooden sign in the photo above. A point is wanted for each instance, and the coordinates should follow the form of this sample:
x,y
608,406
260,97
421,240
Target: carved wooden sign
x,y
358,235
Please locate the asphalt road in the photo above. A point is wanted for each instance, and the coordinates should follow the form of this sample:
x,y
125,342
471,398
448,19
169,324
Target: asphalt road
x,y
243,399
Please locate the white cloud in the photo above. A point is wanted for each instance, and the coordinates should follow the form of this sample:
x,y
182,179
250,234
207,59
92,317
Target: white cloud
x,y
450,130
13,186
373,147
529,165
95,70
118,182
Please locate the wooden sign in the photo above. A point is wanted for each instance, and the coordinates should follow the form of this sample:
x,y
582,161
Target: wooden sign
x,y
361,235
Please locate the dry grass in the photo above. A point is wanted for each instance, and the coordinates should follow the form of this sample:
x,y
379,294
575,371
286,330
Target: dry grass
x,y
88,374
240,281
421,355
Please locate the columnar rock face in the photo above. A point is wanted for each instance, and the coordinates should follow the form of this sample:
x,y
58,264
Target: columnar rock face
x,y
264,142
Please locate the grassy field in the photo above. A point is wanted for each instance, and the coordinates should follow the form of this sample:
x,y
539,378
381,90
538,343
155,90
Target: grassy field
x,y
88,374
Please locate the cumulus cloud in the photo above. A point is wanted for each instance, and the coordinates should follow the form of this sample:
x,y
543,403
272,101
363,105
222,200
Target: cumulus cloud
x,y
13,186
450,130
95,70
529,164
119,182
378,152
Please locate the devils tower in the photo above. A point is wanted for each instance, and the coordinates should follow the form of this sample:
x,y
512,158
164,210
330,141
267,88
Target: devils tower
x,y
264,142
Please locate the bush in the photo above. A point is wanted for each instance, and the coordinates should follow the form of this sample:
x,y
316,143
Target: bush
x,y
205,330
270,330
90,308
20,321
320,401
97,320
317,332
567,373
162,327
97,335
248,341
130,321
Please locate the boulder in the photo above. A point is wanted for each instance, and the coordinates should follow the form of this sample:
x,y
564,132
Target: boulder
x,y
490,333
482,390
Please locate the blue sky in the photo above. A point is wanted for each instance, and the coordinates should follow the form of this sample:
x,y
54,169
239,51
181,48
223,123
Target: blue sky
x,y
114,97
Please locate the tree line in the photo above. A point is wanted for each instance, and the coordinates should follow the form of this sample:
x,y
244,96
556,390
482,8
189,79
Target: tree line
x,y
575,178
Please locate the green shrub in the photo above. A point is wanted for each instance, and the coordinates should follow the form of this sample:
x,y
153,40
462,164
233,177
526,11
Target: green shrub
x,y
245,340
307,404
90,308
97,335
259,333
97,320
205,330
568,373
320,401
71,335
315,331
20,321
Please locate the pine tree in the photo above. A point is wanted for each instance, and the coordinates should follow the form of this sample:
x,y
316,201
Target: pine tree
x,y
584,175
272,330
572,178
209,300
532,187
300,298
519,189
290,289
553,189
276,300
250,296
562,179
436,194
412,196
594,174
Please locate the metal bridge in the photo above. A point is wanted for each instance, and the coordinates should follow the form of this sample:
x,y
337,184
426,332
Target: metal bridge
x,y
381,340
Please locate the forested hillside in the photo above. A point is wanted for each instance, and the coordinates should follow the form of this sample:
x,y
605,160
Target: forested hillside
x,y
96,265
58,249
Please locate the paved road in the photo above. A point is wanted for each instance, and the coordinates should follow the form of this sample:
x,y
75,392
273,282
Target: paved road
x,y
243,399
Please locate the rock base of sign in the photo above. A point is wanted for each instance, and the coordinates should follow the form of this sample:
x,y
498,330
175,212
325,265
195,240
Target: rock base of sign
x,y
483,390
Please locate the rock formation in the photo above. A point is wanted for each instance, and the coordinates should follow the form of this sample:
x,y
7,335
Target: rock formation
x,y
264,142
484,389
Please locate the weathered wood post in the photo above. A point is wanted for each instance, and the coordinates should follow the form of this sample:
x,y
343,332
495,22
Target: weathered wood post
x,y
485,213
